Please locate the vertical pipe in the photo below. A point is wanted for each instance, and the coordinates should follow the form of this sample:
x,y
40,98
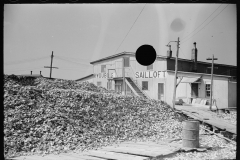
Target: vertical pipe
x,y
175,77
51,65
211,83
123,74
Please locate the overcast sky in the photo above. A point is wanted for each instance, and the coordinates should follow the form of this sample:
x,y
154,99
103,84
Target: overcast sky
x,y
80,33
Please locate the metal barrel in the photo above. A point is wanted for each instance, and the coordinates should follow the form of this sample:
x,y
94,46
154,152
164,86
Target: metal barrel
x,y
190,134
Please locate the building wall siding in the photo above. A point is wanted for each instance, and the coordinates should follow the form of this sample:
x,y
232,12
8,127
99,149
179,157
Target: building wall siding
x,y
232,94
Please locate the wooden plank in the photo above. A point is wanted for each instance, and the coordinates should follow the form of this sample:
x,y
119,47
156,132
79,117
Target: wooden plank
x,y
201,115
82,156
114,155
141,151
147,146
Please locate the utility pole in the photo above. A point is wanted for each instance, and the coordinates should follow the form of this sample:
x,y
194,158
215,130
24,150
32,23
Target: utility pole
x,y
211,79
51,66
175,77
123,74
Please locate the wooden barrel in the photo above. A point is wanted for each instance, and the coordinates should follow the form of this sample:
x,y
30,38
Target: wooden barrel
x,y
190,134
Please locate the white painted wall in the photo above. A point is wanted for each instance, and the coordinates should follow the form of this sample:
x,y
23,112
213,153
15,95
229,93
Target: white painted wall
x,y
232,94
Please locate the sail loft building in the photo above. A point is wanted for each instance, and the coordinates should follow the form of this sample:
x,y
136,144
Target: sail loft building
x,y
122,73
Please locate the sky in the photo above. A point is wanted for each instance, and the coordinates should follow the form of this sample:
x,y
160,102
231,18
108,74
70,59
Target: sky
x,y
78,34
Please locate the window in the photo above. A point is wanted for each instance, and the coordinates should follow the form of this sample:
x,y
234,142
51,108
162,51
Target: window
x,y
150,67
103,68
144,85
99,83
208,86
126,62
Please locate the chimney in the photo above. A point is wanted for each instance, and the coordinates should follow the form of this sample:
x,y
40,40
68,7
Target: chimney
x,y
31,72
40,72
194,56
169,52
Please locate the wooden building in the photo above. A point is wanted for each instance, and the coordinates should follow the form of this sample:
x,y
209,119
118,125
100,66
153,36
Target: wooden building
x,y
157,80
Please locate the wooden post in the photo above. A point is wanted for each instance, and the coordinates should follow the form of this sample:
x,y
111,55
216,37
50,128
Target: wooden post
x,y
123,75
51,66
175,77
211,79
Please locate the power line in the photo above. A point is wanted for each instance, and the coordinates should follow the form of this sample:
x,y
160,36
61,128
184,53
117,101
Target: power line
x,y
130,28
201,23
24,69
74,58
205,25
70,61
26,60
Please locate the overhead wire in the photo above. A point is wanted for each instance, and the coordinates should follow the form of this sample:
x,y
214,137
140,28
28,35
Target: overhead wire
x,y
69,61
24,69
74,58
201,23
130,28
205,25
26,60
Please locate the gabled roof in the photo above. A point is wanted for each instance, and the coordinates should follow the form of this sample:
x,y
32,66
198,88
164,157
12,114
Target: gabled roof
x,y
88,76
114,56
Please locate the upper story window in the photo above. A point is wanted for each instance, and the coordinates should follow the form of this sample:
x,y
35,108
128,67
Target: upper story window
x,y
150,67
103,68
126,62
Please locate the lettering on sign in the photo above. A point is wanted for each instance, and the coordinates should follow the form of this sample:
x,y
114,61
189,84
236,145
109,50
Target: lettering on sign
x,y
105,75
150,74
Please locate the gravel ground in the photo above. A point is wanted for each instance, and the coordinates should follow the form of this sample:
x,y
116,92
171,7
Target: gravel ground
x,y
220,148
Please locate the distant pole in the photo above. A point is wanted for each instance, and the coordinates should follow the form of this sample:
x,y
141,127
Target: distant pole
x,y
123,74
175,77
51,66
211,79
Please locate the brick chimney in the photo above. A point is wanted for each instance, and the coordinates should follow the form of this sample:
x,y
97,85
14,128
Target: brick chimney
x,y
194,57
169,52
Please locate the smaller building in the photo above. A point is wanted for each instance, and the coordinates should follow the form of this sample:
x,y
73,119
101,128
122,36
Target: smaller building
x,y
88,78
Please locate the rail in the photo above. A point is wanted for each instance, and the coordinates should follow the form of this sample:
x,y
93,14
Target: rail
x,y
137,84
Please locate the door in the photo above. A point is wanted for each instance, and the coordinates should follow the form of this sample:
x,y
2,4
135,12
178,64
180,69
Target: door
x,y
118,86
194,90
161,91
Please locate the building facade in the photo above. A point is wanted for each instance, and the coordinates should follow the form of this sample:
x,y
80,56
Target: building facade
x,y
122,73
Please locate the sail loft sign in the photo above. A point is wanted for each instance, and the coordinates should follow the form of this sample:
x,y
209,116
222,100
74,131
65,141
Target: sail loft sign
x,y
150,74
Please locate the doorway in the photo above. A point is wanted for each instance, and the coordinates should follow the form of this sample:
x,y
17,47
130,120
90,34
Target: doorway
x,y
161,91
194,89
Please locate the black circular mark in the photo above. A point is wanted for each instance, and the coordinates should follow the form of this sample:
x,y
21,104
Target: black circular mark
x,y
145,55
177,25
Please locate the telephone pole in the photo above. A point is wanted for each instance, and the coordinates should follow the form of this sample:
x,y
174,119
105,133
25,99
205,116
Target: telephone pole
x,y
211,79
176,69
51,66
175,77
